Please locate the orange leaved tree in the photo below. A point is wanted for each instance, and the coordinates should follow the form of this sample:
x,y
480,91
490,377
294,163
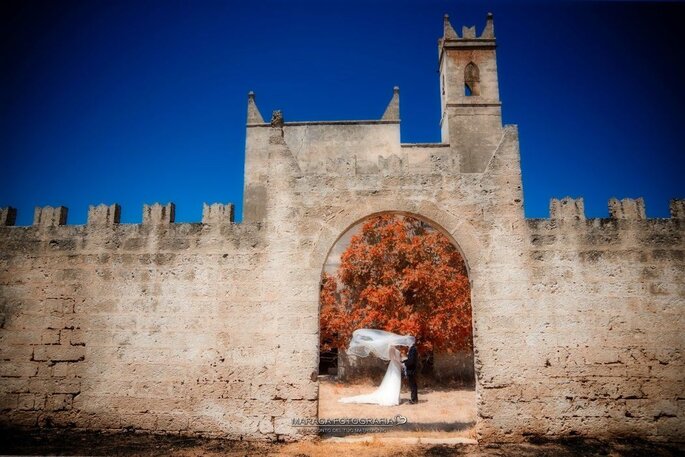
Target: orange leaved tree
x,y
401,276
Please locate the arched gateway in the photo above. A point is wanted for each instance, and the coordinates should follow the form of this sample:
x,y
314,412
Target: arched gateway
x,y
212,328
357,284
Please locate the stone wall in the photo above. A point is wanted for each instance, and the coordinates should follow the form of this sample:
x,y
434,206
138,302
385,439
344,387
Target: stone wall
x,y
157,326
596,346
212,328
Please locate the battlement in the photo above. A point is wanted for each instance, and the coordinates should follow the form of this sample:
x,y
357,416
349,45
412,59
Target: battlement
x,y
103,215
627,227
573,209
468,34
566,209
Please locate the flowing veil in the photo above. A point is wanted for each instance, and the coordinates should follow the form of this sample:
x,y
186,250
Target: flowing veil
x,y
366,341
382,344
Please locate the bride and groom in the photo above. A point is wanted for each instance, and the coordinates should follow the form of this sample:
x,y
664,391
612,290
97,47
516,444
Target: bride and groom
x,y
385,345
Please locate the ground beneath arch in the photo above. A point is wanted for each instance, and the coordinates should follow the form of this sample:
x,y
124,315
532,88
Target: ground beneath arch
x,y
440,413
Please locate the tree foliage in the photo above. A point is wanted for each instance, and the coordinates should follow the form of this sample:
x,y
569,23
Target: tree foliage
x,y
401,276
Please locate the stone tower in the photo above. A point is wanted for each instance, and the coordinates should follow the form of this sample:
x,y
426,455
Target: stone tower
x,y
471,110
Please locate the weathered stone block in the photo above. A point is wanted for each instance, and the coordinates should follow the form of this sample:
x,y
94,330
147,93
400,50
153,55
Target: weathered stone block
x,y
18,369
26,402
266,426
73,337
9,401
59,353
50,337
58,402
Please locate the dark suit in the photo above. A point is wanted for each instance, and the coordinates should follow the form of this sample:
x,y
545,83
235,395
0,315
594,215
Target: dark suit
x,y
411,363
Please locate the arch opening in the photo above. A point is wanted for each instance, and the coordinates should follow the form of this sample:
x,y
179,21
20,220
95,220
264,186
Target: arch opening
x,y
401,273
471,80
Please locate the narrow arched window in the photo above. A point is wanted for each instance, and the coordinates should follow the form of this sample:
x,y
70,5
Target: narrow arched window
x,y
471,80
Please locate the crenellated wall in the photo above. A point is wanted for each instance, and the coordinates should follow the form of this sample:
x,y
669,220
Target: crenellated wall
x,y
599,345
212,328
155,326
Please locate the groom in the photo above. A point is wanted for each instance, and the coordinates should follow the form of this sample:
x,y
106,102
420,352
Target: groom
x,y
410,368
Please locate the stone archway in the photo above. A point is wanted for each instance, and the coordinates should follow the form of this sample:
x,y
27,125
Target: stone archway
x,y
461,232
458,231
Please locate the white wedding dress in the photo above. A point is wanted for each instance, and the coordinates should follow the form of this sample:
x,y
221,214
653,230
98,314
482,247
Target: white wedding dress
x,y
388,393
381,344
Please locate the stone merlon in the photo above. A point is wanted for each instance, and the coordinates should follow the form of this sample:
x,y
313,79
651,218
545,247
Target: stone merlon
x,y
217,213
48,216
104,214
158,214
627,208
567,209
8,216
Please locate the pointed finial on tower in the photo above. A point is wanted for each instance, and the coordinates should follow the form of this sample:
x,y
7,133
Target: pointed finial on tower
x,y
392,112
449,33
489,30
253,114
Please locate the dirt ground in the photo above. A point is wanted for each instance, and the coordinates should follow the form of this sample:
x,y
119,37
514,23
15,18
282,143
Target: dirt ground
x,y
440,412
67,442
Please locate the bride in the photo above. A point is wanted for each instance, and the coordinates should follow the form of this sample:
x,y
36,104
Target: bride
x,y
383,345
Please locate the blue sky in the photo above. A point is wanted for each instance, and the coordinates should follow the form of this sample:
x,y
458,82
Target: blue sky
x,y
144,101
